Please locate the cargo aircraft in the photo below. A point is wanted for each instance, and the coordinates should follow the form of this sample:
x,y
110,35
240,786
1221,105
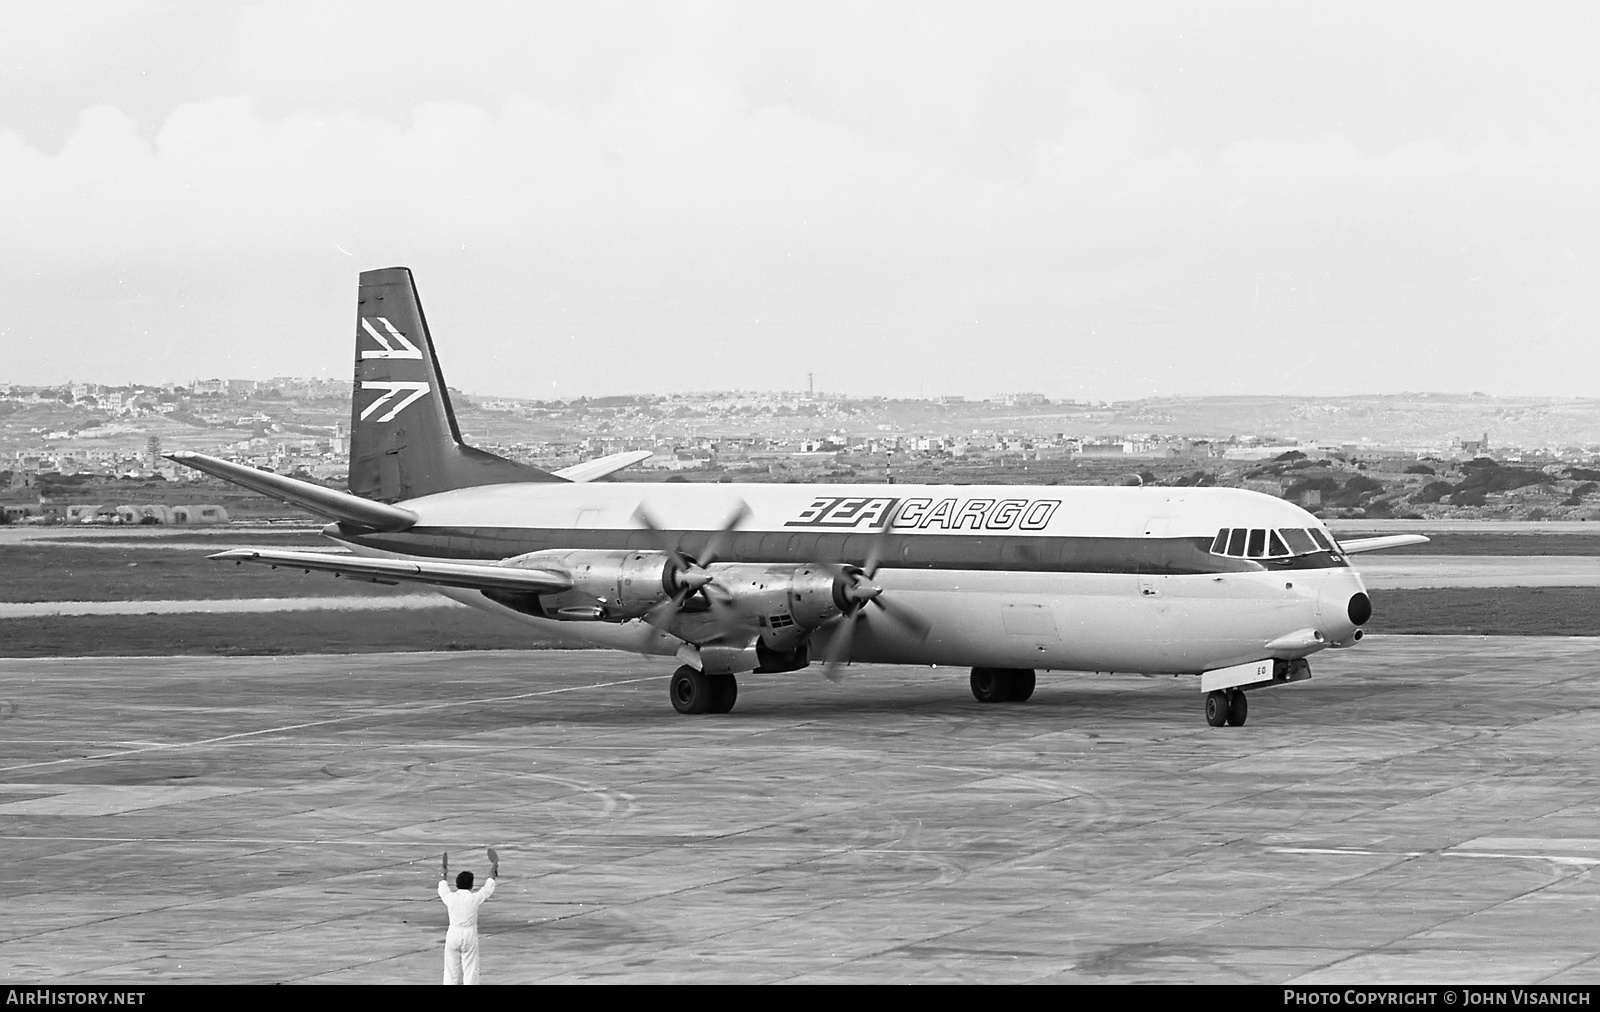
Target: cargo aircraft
x,y
1234,586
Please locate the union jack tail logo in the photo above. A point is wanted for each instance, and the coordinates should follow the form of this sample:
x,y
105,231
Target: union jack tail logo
x,y
413,390
400,348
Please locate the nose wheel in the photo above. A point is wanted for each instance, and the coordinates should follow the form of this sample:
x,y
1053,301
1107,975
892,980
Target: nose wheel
x,y
1226,706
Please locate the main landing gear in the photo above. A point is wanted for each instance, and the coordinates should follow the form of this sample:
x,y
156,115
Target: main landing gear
x,y
1226,706
695,691
1002,685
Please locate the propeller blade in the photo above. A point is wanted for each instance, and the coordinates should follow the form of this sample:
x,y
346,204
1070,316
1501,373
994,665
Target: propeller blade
x,y
661,615
644,519
879,549
692,577
907,617
726,617
838,652
719,541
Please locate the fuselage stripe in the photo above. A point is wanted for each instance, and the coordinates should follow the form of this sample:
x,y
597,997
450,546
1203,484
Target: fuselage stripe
x,y
1010,552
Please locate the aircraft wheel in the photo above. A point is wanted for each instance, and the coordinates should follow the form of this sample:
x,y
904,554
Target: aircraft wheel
x,y
1238,708
992,685
693,691
1216,708
725,689
1021,685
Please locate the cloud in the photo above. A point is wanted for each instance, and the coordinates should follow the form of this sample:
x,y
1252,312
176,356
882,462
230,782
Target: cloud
x,y
923,203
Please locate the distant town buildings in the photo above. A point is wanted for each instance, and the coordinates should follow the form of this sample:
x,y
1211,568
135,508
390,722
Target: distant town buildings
x,y
300,427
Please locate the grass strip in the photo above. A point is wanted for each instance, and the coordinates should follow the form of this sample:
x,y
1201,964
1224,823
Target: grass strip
x,y
1546,611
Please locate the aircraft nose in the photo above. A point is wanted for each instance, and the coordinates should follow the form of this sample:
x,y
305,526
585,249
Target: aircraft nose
x,y
1360,609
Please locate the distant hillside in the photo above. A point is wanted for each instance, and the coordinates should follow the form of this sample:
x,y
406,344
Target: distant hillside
x,y
1399,419
1405,420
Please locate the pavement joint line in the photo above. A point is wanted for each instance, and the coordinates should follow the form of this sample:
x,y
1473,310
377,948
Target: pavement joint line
x,y
847,960
224,840
1388,946
197,902
402,710
1559,859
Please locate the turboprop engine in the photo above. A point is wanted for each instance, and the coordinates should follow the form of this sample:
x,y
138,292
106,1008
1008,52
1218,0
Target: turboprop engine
x,y
737,602
606,586
738,616
621,586
750,616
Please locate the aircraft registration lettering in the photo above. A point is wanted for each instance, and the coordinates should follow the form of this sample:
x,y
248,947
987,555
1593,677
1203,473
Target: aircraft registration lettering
x,y
925,514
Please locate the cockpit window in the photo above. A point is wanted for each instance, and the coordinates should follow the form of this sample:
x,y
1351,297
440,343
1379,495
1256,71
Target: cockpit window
x,y
1299,541
1259,543
1236,541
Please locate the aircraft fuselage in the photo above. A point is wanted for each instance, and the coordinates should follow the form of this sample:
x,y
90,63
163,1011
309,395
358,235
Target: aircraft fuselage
x,y
1039,577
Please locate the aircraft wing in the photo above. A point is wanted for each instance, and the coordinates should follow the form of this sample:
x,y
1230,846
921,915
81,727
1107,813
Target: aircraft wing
x,y
589,470
1379,544
324,502
471,575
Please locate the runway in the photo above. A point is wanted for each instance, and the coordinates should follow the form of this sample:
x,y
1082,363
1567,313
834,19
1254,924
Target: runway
x,y
1401,572
1420,572
1422,810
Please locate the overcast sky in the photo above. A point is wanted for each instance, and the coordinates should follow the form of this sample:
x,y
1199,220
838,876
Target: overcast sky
x,y
1080,199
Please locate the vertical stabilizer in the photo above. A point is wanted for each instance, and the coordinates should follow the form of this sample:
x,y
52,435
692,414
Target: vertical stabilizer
x,y
404,441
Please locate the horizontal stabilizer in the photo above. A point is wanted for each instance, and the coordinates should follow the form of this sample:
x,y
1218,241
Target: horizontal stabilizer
x,y
470,575
1379,544
324,502
589,470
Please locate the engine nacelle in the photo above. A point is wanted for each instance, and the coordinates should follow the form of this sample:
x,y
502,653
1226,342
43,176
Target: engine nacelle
x,y
780,604
816,596
606,586
776,606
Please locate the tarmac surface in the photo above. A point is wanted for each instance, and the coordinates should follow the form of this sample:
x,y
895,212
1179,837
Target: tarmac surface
x,y
1424,809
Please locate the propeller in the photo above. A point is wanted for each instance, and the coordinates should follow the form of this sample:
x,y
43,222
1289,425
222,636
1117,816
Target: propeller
x,y
692,575
857,590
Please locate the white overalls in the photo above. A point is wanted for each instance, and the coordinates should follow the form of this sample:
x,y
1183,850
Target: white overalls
x,y
461,941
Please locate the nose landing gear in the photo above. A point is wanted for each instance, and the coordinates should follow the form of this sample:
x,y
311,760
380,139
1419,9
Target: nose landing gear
x,y
1226,706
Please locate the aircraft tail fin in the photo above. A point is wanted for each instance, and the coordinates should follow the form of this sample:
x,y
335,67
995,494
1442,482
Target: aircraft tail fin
x,y
404,441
